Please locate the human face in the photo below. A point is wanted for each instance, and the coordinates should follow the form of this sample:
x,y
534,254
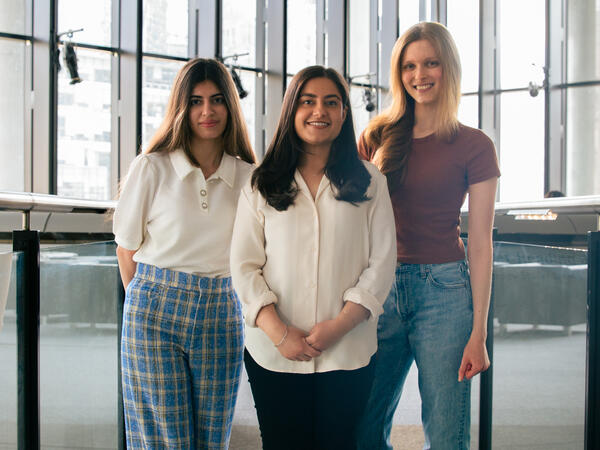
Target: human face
x,y
320,113
422,72
207,112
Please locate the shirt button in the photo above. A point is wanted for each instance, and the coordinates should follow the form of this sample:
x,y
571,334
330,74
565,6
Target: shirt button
x,y
203,193
204,205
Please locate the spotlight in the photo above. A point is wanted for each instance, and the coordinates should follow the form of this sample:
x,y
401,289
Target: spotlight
x,y
238,84
368,99
70,59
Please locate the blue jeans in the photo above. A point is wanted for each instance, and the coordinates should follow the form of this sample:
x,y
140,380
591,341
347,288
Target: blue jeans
x,y
428,318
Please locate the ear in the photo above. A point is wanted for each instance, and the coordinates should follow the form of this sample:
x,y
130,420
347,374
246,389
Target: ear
x,y
344,112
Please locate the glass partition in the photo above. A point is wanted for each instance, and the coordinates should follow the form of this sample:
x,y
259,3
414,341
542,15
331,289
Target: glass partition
x,y
78,346
9,265
540,305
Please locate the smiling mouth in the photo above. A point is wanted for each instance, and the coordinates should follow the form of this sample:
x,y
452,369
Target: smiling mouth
x,y
422,87
208,124
318,124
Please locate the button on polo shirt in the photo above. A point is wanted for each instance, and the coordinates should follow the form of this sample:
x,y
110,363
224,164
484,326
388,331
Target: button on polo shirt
x,y
177,219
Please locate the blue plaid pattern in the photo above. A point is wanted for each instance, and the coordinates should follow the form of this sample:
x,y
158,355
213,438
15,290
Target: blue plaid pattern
x,y
181,357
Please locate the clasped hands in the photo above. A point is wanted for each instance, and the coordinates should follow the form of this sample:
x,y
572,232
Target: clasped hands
x,y
299,345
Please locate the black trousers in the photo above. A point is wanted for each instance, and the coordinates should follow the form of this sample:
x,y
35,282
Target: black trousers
x,y
309,411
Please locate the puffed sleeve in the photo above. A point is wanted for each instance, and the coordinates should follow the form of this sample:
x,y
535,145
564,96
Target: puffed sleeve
x,y
248,256
376,279
135,201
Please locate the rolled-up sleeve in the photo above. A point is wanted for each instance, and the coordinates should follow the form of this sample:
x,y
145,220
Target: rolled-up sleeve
x,y
135,201
248,257
376,279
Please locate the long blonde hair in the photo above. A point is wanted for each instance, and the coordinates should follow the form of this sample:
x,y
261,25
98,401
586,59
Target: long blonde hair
x,y
391,131
175,132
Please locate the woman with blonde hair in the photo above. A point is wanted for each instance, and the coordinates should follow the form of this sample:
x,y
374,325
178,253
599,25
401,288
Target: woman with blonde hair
x,y
436,313
182,339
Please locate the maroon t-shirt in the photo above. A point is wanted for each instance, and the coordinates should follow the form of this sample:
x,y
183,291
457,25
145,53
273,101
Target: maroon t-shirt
x,y
427,205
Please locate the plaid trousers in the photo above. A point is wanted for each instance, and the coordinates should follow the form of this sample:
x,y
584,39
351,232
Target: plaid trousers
x,y
181,358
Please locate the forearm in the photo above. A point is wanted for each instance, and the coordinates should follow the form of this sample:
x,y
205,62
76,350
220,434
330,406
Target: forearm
x,y
480,257
127,265
350,316
269,321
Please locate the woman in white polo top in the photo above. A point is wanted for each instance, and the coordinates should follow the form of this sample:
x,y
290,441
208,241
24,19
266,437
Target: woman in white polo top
x,y
182,339
312,260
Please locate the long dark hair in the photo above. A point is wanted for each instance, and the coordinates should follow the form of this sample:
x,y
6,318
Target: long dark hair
x,y
274,178
175,131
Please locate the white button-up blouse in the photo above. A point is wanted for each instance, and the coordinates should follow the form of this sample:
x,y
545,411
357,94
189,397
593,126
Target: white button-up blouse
x,y
174,217
308,261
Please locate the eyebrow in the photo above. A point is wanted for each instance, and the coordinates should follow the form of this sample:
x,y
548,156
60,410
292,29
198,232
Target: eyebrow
x,y
218,94
327,96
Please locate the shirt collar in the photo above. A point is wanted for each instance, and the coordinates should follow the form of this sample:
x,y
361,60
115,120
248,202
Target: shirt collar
x,y
226,170
183,167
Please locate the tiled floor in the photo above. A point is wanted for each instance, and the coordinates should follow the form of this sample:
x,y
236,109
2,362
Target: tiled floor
x,y
539,381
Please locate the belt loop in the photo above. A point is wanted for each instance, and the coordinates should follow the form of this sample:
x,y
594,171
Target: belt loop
x,y
424,268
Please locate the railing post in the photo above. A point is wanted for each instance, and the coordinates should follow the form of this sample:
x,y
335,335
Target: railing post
x,y
487,378
121,439
592,375
28,339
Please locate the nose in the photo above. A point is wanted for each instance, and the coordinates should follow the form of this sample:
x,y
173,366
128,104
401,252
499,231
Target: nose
x,y
419,71
319,108
207,109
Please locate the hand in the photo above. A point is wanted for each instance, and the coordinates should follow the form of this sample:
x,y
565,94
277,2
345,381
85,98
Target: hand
x,y
324,334
475,358
295,348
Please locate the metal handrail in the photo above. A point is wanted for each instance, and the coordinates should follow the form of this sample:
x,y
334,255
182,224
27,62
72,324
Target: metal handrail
x,y
27,202
585,204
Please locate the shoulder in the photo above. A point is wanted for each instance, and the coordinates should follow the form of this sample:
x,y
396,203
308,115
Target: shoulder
x,y
243,168
366,150
373,171
474,137
378,180
147,165
252,195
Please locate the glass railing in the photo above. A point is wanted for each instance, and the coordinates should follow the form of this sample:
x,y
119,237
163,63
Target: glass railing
x,y
540,306
78,346
9,264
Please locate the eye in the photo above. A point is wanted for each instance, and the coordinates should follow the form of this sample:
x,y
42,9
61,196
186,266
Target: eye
x,y
433,63
408,66
334,103
306,101
195,101
219,100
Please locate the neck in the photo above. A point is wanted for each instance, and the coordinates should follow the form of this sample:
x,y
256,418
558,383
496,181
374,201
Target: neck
x,y
424,121
314,159
208,155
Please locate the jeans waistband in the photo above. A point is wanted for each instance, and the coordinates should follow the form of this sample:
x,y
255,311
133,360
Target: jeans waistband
x,y
424,268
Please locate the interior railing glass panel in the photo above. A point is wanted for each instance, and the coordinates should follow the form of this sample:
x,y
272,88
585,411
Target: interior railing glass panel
x,y
540,298
78,346
9,266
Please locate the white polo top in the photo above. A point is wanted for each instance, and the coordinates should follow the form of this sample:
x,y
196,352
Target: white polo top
x,y
308,261
177,219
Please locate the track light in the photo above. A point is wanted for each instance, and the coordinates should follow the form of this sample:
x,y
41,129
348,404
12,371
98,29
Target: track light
x,y
368,99
70,59
236,78
238,83
69,56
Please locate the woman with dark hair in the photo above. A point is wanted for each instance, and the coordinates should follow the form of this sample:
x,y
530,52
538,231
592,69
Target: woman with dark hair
x,y
436,313
182,339
312,259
